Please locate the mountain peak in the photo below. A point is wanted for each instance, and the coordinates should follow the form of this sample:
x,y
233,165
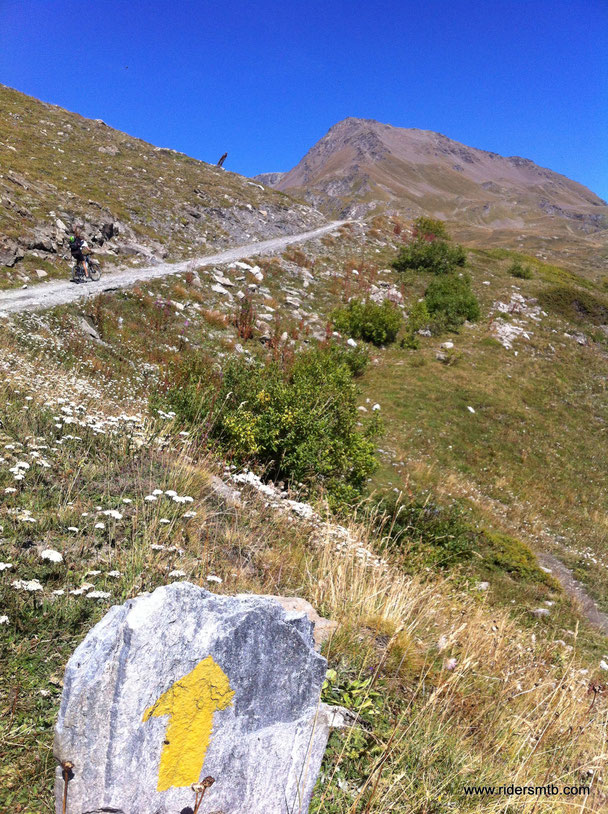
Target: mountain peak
x,y
361,164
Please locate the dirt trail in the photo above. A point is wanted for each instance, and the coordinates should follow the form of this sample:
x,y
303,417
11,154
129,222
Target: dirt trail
x,y
48,295
573,587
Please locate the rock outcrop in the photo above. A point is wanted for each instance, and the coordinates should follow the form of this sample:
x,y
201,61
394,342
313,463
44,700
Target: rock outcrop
x,y
180,685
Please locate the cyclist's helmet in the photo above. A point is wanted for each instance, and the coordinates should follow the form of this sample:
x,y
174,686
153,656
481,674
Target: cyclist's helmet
x,y
72,239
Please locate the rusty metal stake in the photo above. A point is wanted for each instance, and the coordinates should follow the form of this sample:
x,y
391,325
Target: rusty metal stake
x,y
200,789
67,767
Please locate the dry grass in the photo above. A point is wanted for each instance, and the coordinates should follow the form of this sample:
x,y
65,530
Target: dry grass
x,y
481,701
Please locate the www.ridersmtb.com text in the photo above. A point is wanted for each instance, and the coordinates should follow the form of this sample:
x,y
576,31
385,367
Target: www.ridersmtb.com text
x,y
549,790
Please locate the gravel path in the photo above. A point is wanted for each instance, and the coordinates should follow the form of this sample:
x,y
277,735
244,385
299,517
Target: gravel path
x,y
48,295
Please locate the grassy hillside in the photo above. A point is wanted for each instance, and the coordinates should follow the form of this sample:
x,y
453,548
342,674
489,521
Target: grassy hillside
x,y
135,201
465,659
452,690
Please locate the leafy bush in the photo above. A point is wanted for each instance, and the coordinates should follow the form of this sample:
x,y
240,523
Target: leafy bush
x,y
299,424
517,269
443,536
356,359
450,301
430,229
374,323
418,318
437,256
438,534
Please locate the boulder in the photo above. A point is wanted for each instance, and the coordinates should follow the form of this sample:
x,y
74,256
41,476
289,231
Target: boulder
x,y
182,685
10,252
109,230
44,239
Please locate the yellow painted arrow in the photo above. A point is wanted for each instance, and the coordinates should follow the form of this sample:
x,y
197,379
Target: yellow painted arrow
x,y
190,703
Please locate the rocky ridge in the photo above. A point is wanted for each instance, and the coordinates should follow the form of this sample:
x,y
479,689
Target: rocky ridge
x,y
134,202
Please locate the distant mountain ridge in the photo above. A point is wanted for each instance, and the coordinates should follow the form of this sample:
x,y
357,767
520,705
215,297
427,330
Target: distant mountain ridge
x,y
361,165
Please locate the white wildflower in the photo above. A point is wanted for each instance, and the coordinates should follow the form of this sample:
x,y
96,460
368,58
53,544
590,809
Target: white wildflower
x,y
4,619
113,513
150,498
177,573
4,566
31,585
51,555
213,578
100,525
98,595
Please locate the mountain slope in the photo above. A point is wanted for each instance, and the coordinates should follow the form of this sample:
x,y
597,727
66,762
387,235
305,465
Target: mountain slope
x,y
134,200
361,164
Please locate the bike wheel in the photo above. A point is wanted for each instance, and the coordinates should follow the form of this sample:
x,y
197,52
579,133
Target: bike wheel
x,y
94,271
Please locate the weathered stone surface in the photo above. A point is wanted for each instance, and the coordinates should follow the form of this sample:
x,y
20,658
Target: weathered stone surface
x,y
10,252
323,628
181,684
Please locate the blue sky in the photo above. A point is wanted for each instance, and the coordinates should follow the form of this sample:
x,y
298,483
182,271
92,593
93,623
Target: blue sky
x,y
264,81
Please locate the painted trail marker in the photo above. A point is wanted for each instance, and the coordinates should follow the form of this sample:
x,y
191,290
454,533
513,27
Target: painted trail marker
x,y
182,684
190,704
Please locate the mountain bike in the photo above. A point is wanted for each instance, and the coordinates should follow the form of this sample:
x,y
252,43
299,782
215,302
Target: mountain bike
x,y
79,273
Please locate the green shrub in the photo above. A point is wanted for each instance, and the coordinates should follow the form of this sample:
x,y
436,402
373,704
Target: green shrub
x,y
438,534
300,424
369,321
450,301
517,269
436,256
356,359
429,229
574,305
504,553
418,318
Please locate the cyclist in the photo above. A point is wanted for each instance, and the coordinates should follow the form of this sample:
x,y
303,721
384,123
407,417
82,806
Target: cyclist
x,y
79,249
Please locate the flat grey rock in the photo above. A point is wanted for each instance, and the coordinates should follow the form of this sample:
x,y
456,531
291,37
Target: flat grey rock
x,y
182,684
